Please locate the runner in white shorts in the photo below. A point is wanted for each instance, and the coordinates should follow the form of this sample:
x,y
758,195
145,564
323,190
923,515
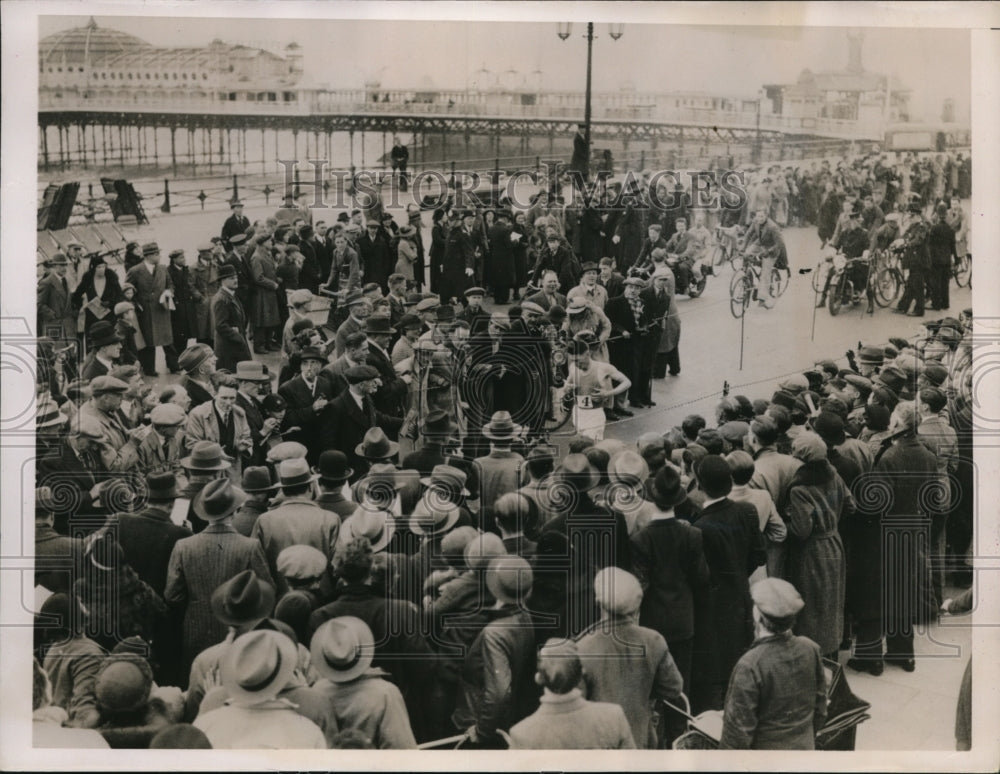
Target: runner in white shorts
x,y
591,385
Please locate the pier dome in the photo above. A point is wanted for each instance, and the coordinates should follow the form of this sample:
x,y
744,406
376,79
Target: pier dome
x,y
86,46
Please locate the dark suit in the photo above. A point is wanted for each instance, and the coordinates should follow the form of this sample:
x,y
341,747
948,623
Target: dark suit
x,y
64,471
57,559
92,367
196,392
390,396
235,224
300,412
343,425
625,354
229,321
656,308
55,307
252,409
147,538
459,255
669,561
376,259
734,548
545,302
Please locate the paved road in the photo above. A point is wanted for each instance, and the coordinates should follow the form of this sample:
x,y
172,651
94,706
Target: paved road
x,y
909,711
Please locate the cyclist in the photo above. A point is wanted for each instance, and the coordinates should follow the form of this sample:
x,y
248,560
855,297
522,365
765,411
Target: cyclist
x,y
853,241
764,240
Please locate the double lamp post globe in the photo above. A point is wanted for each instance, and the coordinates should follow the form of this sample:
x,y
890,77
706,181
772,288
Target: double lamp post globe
x,y
565,29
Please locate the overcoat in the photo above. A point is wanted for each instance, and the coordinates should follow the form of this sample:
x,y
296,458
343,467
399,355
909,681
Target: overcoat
x,y
815,564
154,317
265,279
229,322
199,565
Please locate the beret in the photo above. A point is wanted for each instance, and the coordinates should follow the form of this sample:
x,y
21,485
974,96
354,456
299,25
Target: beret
x,y
103,384
301,562
360,373
776,598
167,414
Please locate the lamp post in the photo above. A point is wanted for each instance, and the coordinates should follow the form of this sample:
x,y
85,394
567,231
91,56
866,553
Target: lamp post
x,y
756,146
564,30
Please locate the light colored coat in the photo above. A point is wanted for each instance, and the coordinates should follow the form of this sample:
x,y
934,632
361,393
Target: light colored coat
x,y
154,317
570,722
202,425
296,521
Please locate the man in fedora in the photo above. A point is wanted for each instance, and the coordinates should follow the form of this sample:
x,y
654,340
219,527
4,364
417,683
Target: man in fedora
x,y
163,446
360,697
400,646
436,430
256,668
502,470
251,379
333,473
348,417
201,563
222,421
298,519
241,603
307,395
204,464
497,688
198,363
56,317
153,299
236,223
390,396
588,289
105,349
229,320
257,486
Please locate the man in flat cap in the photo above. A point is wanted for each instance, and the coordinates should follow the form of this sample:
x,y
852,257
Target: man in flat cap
x,y
777,693
154,291
118,449
345,420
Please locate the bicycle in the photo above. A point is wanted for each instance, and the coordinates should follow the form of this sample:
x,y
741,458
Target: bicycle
x,y
842,291
886,277
743,285
961,270
727,247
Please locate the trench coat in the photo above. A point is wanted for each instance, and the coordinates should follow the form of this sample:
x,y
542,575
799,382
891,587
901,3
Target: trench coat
x,y
154,317
264,313
815,562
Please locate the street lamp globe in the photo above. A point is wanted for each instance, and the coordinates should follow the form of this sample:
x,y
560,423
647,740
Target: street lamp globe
x,y
564,30
616,30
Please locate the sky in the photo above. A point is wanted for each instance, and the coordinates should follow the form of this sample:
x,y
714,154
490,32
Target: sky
x,y
732,60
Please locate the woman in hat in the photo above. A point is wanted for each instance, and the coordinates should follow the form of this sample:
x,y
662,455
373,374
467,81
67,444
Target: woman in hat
x,y
406,252
582,316
817,501
97,293
199,564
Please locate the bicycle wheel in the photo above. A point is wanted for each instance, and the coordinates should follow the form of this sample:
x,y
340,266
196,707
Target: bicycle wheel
x,y
962,270
819,277
718,255
888,285
739,294
736,260
779,281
